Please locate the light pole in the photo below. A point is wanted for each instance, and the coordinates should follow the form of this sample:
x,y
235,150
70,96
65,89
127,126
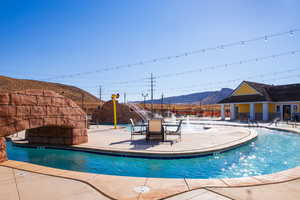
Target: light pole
x,y
114,97
145,96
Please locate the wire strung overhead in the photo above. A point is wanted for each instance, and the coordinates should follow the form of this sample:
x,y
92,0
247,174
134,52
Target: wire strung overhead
x,y
213,67
213,84
235,80
184,54
187,96
226,65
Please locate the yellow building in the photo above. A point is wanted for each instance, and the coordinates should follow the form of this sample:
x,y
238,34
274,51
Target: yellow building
x,y
257,101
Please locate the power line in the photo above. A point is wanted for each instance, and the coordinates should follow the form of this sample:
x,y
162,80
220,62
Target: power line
x,y
184,54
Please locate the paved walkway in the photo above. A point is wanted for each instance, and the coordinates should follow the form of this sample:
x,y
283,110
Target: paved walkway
x,y
283,185
17,184
281,191
21,185
200,194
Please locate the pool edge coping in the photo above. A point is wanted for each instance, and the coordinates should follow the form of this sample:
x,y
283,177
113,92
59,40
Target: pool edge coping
x,y
278,177
151,153
190,184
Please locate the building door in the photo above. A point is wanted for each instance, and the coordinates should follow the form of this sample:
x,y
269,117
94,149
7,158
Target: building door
x,y
236,112
286,112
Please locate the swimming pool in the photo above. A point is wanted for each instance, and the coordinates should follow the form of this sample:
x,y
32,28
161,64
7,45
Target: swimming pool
x,y
271,152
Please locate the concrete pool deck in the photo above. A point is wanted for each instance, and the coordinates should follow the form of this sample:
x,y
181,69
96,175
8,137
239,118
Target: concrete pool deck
x,y
281,185
18,184
105,139
126,188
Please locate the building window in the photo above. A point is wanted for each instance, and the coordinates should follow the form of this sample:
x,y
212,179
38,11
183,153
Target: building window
x,y
295,108
278,108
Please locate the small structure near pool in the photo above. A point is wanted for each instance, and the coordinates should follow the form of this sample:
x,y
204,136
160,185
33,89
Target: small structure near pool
x,y
258,101
47,117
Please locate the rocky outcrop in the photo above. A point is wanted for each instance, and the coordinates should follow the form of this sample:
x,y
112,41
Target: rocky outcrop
x,y
105,114
48,117
3,156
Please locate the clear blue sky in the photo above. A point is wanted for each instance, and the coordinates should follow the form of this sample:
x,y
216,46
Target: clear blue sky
x,y
42,39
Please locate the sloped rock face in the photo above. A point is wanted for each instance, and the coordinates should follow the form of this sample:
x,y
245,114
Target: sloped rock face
x,y
3,156
48,117
105,114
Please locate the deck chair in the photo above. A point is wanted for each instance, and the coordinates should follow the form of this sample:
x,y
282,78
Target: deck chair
x,y
177,131
137,129
155,130
275,121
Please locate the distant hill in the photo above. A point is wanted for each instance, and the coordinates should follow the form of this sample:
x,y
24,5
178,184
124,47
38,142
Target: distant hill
x,y
74,93
209,97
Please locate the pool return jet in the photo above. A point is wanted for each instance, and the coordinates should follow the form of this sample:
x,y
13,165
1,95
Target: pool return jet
x,y
114,98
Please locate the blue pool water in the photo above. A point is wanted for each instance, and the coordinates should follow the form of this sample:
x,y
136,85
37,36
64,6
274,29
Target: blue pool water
x,y
271,152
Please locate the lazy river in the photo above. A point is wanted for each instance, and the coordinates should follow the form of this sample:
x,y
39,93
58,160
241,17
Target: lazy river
x,y
271,152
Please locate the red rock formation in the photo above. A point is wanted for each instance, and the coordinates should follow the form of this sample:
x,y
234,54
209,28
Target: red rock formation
x,y
3,156
105,114
48,117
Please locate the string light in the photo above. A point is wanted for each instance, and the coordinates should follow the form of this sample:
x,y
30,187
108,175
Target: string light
x,y
160,59
231,81
210,88
235,80
226,65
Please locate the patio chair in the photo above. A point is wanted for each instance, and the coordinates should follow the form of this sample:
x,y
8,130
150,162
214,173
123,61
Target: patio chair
x,y
137,129
155,130
177,131
275,121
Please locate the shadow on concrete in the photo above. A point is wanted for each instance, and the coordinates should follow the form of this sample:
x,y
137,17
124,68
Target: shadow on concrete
x,y
142,144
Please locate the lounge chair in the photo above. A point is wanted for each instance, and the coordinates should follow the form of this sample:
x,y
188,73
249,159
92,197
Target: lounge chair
x,y
155,130
275,121
177,131
137,129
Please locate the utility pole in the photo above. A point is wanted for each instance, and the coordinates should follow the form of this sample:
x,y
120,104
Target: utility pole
x,y
145,96
161,104
200,108
152,90
100,93
124,97
82,101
